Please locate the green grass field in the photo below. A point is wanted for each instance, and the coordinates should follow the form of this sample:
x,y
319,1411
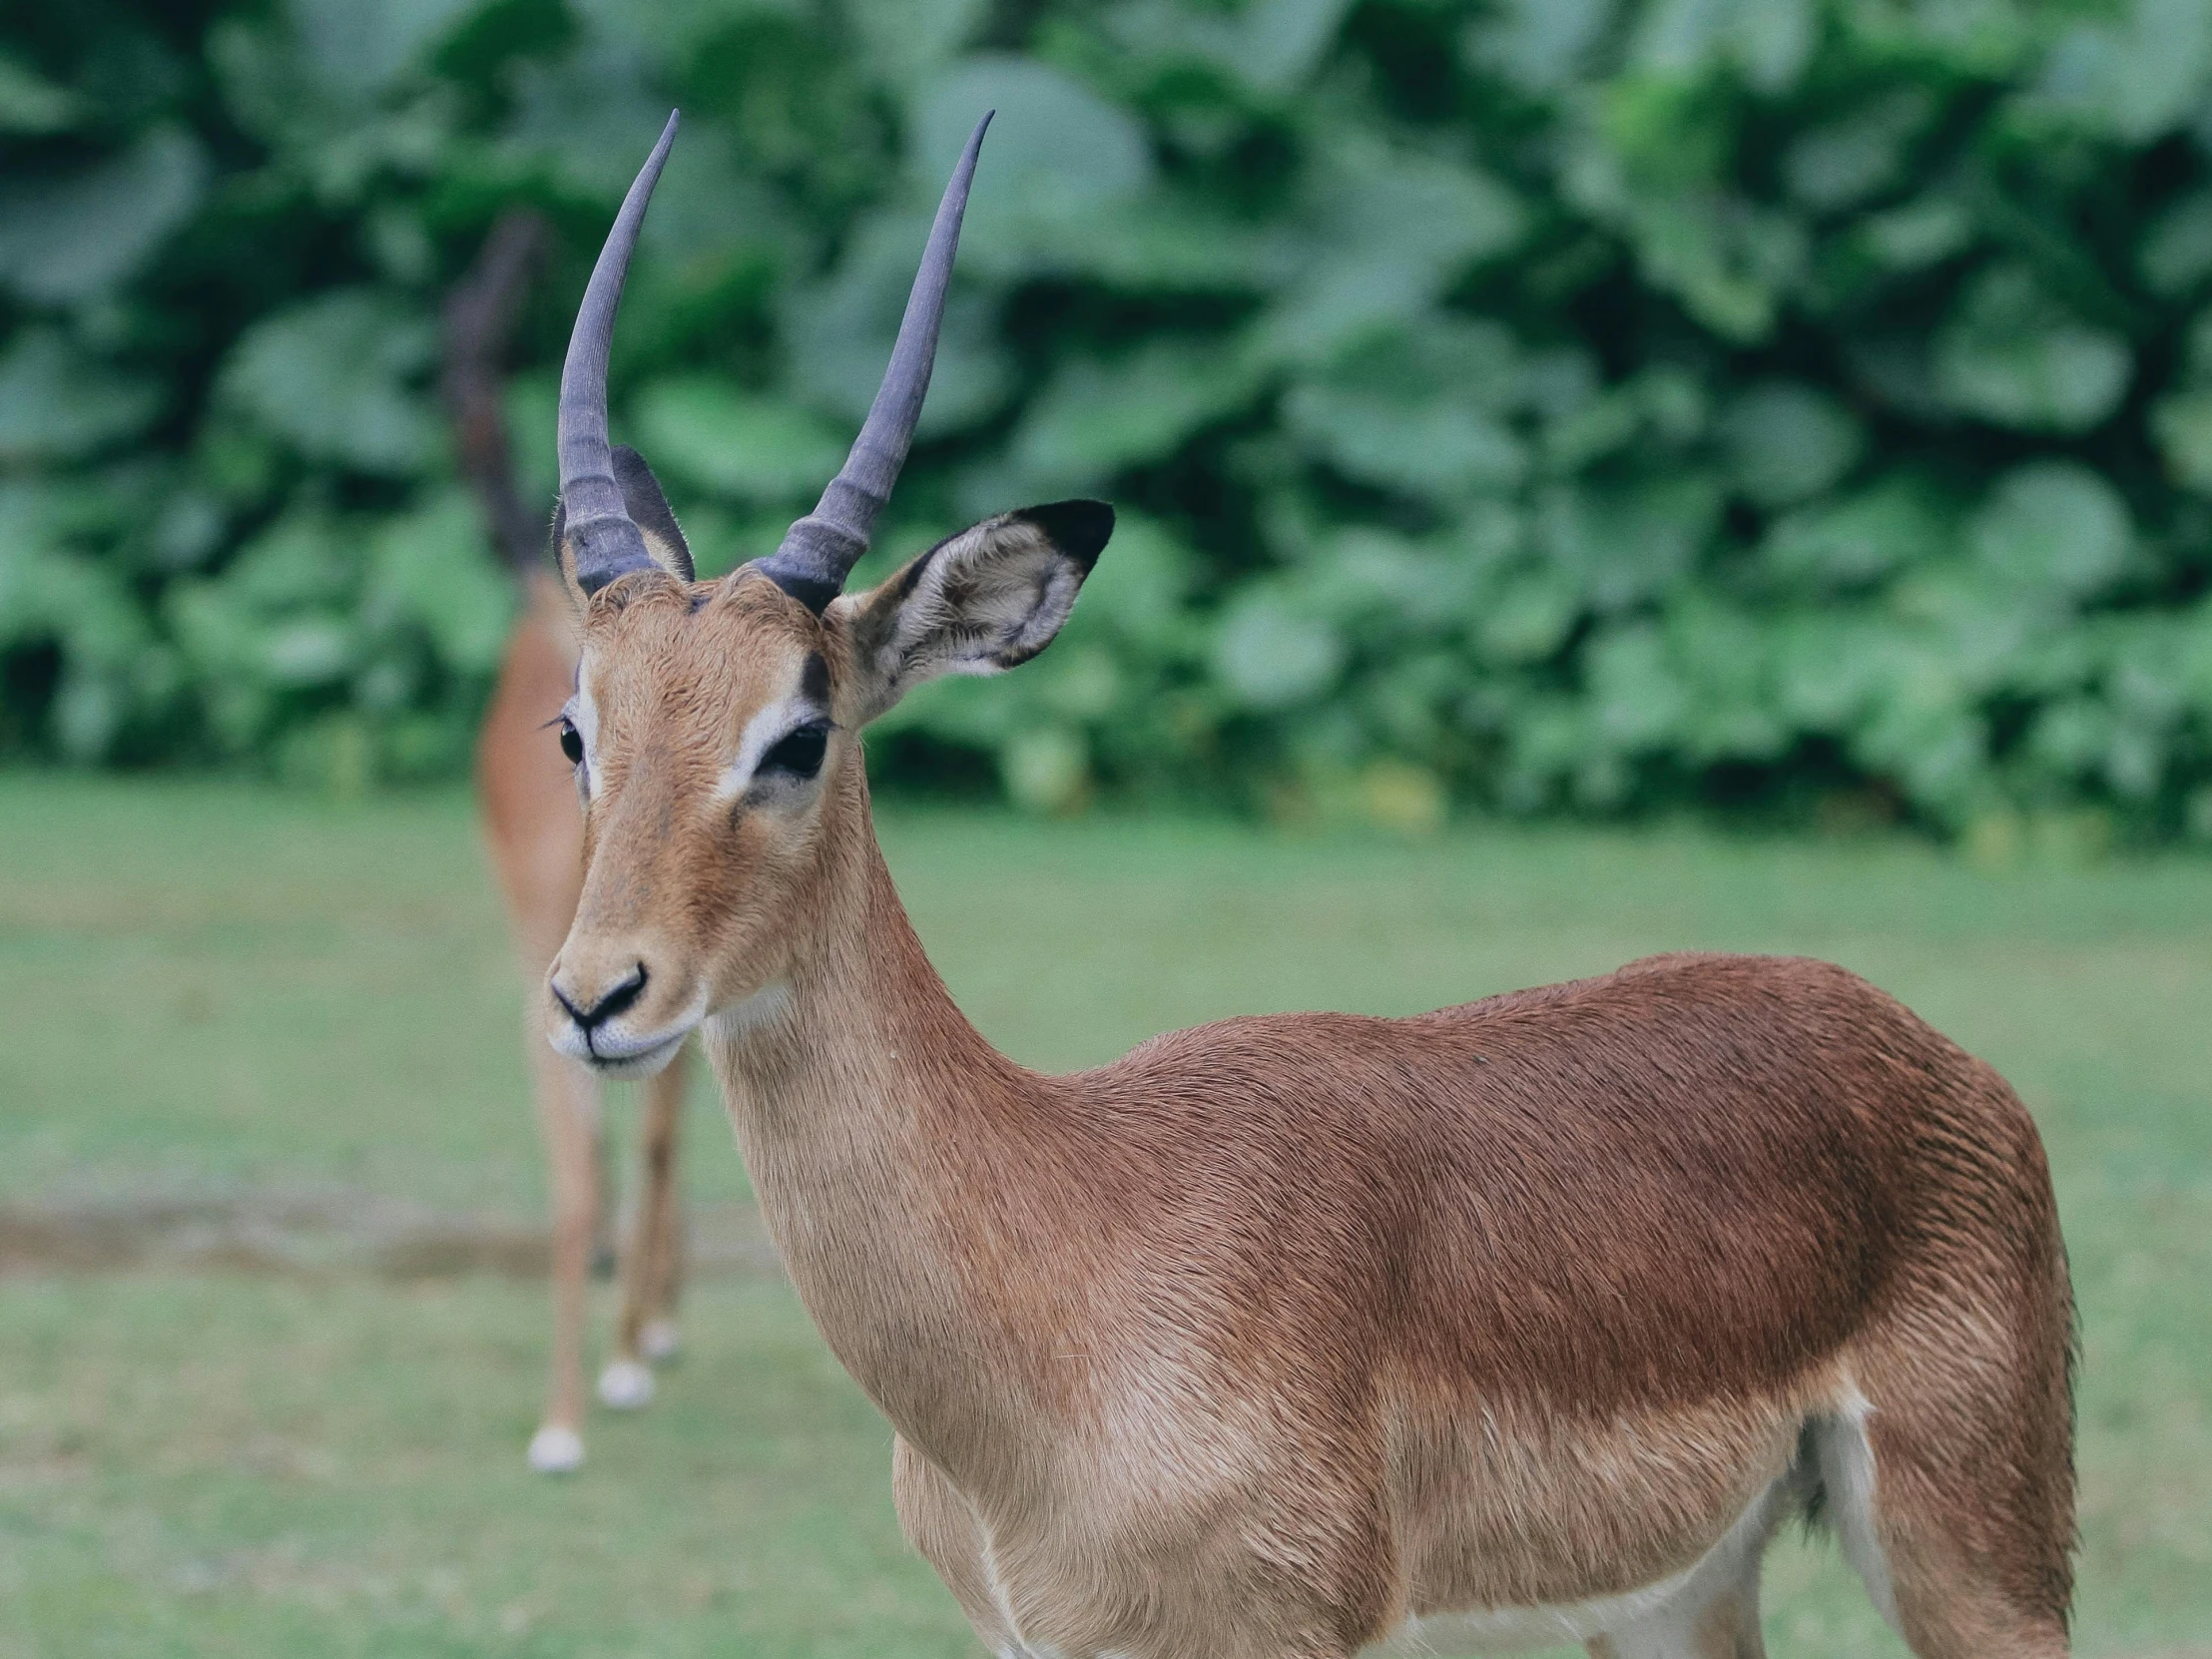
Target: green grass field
x,y
216,990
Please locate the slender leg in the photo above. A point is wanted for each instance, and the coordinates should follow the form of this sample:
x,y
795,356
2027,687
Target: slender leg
x,y
568,1115
649,1263
1954,1491
939,1524
1968,1567
536,838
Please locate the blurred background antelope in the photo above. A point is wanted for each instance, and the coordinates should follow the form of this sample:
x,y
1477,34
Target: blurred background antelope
x,y
1593,478
535,831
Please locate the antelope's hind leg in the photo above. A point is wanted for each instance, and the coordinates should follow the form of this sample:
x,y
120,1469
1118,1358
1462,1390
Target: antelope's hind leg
x,y
1961,1529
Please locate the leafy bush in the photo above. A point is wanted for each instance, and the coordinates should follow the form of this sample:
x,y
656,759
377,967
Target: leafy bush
x,y
1797,405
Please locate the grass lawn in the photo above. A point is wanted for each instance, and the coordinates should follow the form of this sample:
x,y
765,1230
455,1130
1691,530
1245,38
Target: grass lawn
x,y
216,989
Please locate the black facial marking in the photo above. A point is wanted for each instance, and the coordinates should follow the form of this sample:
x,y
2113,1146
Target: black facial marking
x,y
813,679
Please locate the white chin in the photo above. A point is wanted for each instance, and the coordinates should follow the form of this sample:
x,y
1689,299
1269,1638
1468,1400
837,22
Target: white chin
x,y
644,1063
628,1059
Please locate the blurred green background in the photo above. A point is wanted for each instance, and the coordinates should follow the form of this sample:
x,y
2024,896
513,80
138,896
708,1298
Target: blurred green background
x,y
1799,409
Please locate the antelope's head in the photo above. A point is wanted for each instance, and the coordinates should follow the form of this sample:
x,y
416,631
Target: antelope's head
x,y
715,725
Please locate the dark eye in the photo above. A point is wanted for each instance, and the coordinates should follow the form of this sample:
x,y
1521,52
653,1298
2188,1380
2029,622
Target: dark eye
x,y
572,744
797,754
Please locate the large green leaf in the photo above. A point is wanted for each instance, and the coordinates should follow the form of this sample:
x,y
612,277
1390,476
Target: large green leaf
x,y
1726,256
1846,161
73,237
2134,75
1272,654
1859,538
1540,45
1390,231
1058,155
1628,542
1723,654
2053,527
304,561
841,329
1636,699
2176,253
1097,419
434,567
332,376
356,49
30,104
1765,41
716,438
2182,424
1915,235
2012,355
1786,441
1435,449
1269,46
56,404
908,42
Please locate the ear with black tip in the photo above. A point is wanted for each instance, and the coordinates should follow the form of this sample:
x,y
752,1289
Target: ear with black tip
x,y
981,602
641,493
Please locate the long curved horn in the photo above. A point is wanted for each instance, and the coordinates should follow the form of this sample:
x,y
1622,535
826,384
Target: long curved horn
x,y
820,549
603,543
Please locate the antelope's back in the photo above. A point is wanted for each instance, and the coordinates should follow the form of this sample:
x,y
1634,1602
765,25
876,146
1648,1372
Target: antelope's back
x,y
1695,1174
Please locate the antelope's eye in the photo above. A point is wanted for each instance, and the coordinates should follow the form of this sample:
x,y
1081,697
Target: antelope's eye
x,y
797,754
572,744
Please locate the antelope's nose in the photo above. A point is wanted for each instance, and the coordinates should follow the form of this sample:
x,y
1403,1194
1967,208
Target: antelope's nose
x,y
589,1011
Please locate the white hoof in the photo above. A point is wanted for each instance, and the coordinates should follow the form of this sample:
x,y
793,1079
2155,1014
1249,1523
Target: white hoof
x,y
660,1339
556,1450
625,1384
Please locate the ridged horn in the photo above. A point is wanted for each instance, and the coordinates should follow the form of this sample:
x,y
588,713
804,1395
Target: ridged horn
x,y
820,549
603,542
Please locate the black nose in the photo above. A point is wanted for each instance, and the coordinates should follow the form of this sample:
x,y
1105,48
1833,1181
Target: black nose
x,y
606,1006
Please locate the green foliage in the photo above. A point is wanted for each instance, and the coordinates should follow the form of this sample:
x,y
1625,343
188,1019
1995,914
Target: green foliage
x,y
1797,405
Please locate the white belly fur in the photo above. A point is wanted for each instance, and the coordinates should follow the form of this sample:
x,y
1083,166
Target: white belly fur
x,y
1678,1596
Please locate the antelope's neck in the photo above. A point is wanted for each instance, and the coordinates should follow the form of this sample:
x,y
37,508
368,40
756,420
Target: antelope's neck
x,y
867,1109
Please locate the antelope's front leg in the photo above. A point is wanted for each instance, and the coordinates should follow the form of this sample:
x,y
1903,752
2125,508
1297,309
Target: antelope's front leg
x,y
939,1523
651,1257
568,1116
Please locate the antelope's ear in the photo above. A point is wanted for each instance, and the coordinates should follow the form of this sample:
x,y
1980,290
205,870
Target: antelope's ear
x,y
641,493
989,598
649,511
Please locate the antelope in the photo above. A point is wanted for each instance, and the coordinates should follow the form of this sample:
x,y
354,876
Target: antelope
x,y
1519,1321
535,833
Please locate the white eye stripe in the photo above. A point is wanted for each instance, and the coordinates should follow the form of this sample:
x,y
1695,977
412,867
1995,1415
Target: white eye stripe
x,y
764,732
583,713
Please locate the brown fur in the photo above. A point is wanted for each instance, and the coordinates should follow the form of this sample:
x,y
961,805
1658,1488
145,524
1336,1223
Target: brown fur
x,y
1279,1331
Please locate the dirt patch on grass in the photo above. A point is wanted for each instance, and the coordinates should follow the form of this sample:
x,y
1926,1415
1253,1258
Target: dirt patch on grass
x,y
327,1232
